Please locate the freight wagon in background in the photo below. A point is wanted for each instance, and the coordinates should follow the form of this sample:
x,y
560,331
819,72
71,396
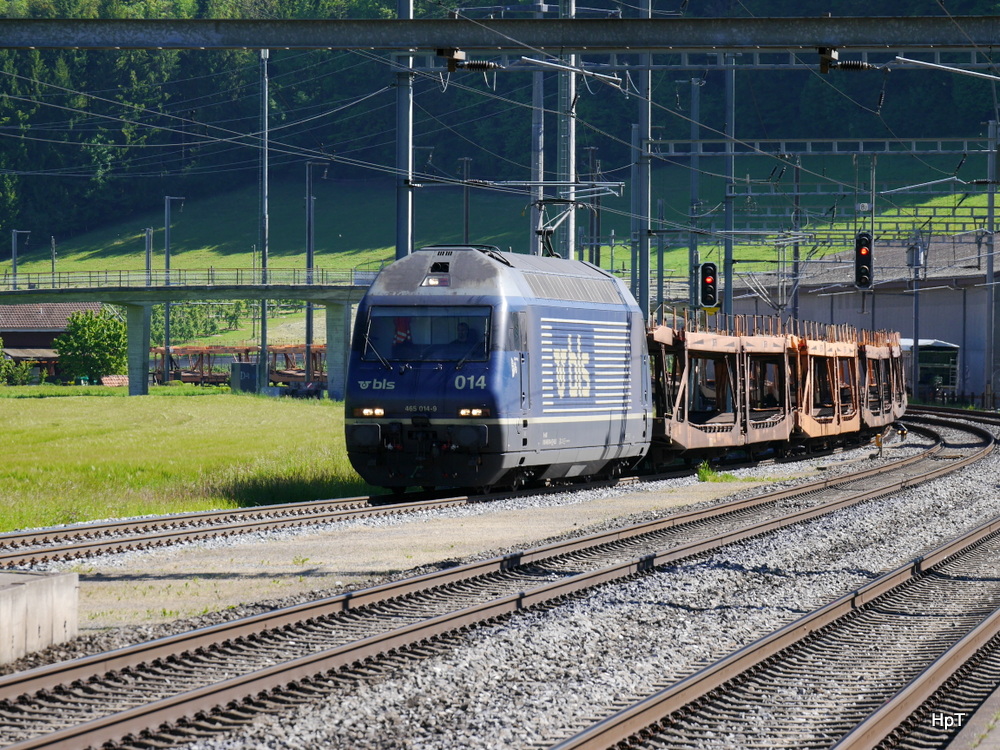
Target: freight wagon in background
x,y
475,368
765,385
939,364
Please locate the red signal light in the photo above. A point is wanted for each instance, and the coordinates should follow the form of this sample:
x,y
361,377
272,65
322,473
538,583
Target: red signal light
x,y
863,260
708,293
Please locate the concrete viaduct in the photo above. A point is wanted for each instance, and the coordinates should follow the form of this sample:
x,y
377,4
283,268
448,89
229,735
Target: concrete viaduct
x,y
137,291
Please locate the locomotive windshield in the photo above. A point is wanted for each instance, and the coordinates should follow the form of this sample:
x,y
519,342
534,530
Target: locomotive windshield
x,y
446,333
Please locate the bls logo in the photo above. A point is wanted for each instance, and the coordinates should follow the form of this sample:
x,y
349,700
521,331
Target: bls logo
x,y
377,385
572,368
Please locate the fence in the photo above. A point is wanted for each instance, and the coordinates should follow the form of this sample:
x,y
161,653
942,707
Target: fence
x,y
204,277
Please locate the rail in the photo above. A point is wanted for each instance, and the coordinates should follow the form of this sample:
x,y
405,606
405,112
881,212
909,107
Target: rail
x,y
204,277
141,716
644,715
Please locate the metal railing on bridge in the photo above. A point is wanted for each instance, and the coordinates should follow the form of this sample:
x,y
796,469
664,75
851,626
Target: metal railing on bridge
x,y
202,277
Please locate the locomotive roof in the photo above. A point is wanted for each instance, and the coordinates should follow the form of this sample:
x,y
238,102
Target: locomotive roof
x,y
477,269
561,266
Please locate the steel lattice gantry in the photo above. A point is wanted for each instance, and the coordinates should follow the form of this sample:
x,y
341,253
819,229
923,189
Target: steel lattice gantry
x,y
597,36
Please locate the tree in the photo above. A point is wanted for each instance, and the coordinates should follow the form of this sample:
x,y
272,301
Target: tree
x,y
94,345
14,373
4,364
19,373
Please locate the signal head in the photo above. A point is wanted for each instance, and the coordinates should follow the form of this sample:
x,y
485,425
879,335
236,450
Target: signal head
x,y
863,266
708,285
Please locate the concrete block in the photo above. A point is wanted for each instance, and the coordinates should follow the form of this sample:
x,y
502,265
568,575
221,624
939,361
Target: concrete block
x,y
13,604
65,607
37,630
37,610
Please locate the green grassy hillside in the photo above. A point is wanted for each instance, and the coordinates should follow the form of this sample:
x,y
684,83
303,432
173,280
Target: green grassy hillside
x,y
355,225
355,221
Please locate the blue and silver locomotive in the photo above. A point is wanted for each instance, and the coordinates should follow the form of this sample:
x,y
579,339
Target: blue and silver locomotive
x,y
475,368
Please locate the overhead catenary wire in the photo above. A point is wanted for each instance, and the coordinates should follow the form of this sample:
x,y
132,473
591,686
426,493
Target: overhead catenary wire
x,y
239,136
292,152
231,137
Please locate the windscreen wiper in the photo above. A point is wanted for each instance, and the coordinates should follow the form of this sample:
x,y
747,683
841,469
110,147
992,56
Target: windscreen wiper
x,y
468,354
371,346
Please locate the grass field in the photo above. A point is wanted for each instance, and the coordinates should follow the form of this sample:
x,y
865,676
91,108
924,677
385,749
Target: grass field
x,y
81,453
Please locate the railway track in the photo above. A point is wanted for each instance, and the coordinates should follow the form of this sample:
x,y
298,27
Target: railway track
x,y
853,674
107,697
26,548
898,663
950,412
33,547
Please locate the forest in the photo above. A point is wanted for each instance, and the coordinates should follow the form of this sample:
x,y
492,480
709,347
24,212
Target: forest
x,y
89,137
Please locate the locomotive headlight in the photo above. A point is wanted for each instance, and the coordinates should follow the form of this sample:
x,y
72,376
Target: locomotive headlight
x,y
369,411
474,412
436,280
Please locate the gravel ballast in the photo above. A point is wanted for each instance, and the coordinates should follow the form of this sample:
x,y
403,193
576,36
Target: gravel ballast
x,y
533,679
161,586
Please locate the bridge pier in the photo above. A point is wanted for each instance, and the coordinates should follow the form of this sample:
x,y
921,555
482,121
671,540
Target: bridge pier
x,y
138,291
339,325
137,318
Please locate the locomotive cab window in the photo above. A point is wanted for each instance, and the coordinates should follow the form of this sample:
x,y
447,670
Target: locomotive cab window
x,y
445,333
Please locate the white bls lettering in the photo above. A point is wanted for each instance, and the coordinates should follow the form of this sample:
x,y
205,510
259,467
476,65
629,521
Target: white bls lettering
x,y
572,369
